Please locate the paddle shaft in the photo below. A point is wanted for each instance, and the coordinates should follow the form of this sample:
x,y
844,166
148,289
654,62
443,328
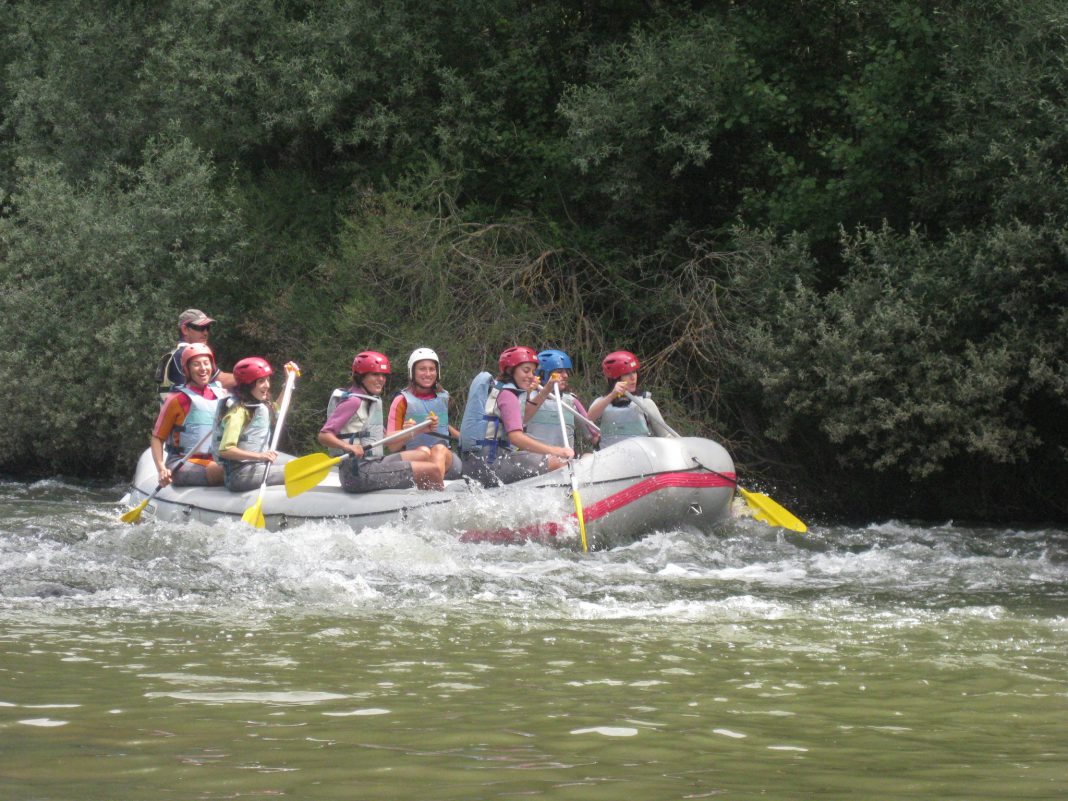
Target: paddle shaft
x,y
396,435
784,518
287,393
654,418
571,469
155,492
580,416
184,459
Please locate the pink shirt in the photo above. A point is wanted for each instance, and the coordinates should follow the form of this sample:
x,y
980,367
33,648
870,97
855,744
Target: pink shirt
x,y
398,410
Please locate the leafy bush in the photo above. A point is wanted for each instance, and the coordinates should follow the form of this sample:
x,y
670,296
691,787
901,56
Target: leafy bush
x,y
89,279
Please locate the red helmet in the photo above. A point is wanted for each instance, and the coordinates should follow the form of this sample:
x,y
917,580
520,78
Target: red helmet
x,y
250,370
513,357
190,352
619,363
370,361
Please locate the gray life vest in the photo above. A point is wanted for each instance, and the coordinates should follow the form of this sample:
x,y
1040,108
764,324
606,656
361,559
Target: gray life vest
x,y
198,422
481,432
255,437
365,425
544,426
419,409
622,420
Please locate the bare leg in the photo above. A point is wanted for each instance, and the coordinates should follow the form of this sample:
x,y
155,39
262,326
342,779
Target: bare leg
x,y
555,463
215,474
427,475
442,457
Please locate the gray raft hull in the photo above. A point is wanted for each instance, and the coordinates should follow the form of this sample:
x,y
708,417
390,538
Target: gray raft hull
x,y
628,490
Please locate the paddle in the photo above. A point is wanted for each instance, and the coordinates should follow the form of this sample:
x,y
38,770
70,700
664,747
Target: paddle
x,y
308,471
580,416
653,415
571,469
767,510
134,514
254,514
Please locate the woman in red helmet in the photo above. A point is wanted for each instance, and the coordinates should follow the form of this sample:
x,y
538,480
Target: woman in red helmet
x,y
242,432
506,453
619,417
184,420
355,419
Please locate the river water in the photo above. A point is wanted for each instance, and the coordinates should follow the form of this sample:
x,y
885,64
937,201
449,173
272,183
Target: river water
x,y
889,661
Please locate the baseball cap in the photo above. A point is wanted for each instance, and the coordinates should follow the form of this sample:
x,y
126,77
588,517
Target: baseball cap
x,y
194,316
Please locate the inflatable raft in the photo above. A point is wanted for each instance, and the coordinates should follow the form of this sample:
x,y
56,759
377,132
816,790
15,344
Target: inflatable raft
x,y
635,487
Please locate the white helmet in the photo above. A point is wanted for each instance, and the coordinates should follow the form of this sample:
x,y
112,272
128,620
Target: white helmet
x,y
418,355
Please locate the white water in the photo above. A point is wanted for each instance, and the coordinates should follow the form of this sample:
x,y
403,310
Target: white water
x,y
892,660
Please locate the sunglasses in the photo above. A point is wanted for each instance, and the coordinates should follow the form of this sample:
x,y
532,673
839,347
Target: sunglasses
x,y
195,327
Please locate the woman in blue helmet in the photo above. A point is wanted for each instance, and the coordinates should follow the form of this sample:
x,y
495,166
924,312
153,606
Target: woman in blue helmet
x,y
541,417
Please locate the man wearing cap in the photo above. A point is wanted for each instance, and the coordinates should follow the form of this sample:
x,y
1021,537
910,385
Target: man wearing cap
x,y
193,326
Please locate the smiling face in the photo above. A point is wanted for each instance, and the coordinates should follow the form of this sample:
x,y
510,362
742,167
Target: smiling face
x,y
425,374
261,390
374,383
199,368
523,375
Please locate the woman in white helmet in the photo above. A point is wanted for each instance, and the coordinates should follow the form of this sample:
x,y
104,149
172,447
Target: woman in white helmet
x,y
424,397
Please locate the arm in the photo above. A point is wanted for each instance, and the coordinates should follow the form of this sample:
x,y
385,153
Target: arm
x,y
169,416
512,421
598,406
527,443
534,400
328,434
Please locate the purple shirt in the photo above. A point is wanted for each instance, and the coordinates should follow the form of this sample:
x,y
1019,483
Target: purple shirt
x,y
510,411
343,412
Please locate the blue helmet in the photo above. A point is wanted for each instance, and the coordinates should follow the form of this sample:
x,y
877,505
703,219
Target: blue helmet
x,y
549,360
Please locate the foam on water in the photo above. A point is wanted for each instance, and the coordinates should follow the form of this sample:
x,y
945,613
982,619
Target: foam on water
x,y
62,547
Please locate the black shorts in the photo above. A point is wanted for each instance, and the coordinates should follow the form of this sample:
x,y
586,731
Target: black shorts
x,y
370,475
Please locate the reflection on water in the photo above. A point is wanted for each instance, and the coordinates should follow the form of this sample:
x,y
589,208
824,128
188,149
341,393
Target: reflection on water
x,y
889,661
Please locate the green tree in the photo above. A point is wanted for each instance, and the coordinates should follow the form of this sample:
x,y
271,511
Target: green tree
x,y
89,277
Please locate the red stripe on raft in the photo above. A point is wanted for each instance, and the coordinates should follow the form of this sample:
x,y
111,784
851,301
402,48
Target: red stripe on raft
x,y
549,531
651,485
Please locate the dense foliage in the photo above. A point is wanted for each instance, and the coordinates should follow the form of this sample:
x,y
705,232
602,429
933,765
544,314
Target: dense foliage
x,y
836,231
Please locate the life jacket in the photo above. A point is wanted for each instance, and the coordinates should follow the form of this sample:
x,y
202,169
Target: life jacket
x,y
365,425
255,437
198,421
480,430
419,409
622,420
544,426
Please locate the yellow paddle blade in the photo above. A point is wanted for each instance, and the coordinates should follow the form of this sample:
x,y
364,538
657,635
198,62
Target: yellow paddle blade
x,y
581,518
135,514
254,514
768,511
308,471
